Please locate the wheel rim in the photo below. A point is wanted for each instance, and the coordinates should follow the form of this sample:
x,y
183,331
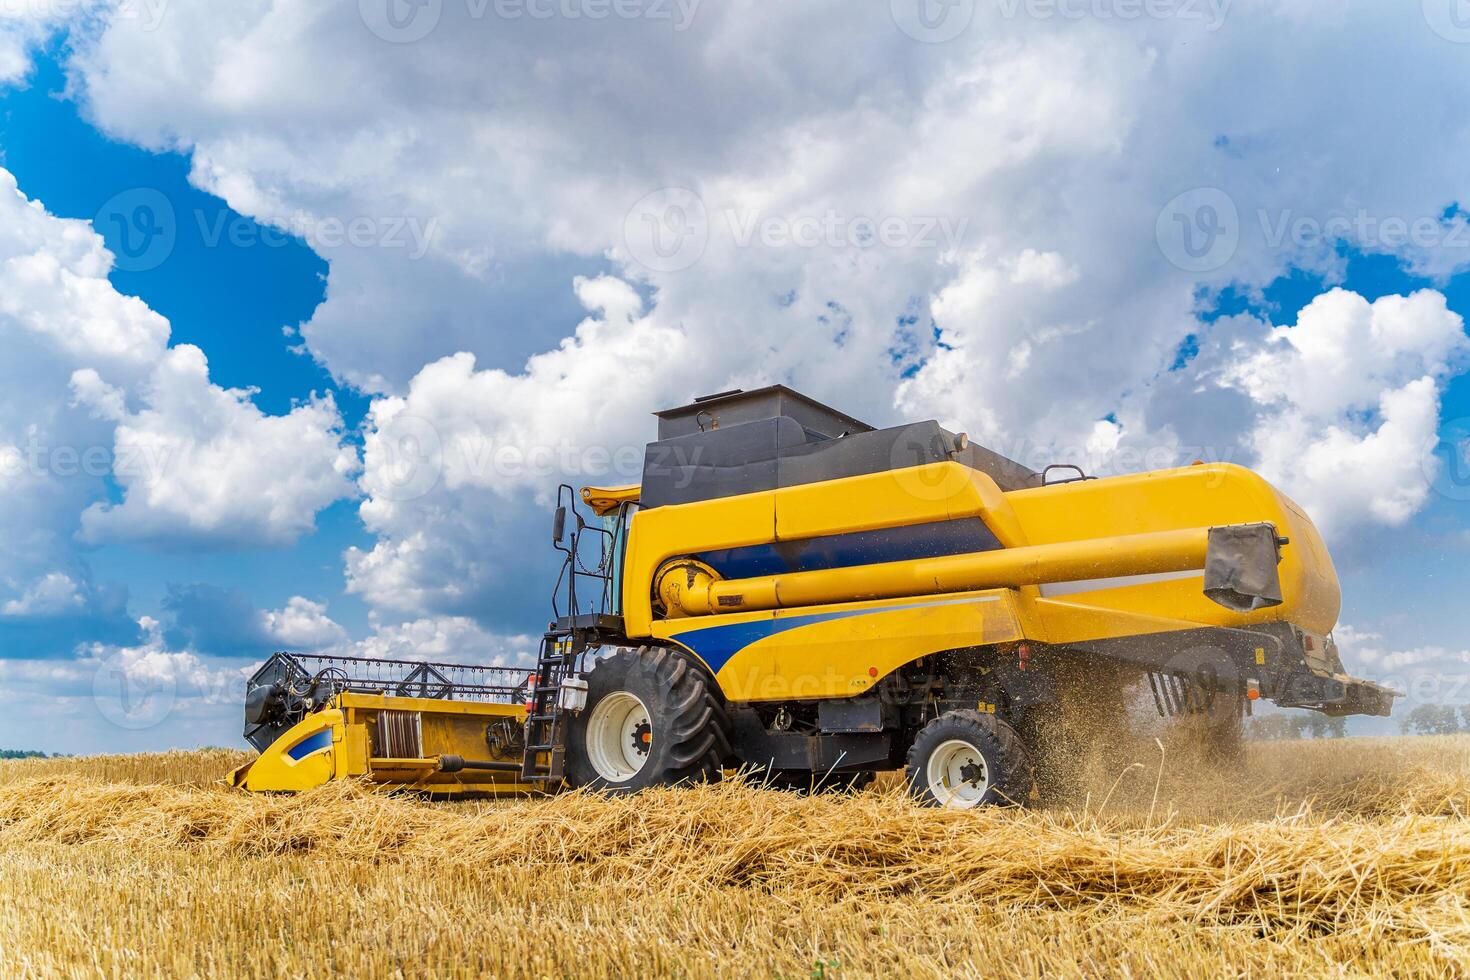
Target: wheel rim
x,y
619,737
957,774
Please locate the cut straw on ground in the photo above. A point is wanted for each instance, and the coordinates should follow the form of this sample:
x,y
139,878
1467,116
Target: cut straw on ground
x,y
1349,856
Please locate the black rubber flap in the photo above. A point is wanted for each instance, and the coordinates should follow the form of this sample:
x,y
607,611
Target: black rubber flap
x,y
1240,567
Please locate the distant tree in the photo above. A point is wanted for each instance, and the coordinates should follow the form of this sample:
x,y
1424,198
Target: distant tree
x,y
1277,726
1432,719
1263,728
21,754
1273,727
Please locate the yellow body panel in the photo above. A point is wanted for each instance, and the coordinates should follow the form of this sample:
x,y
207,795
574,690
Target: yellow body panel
x,y
1187,497
838,650
605,500
817,647
918,495
308,754
338,742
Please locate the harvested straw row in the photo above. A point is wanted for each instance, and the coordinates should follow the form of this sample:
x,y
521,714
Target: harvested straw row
x,y
1300,871
1344,858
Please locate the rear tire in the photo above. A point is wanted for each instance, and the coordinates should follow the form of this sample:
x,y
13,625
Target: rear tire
x,y
651,720
964,759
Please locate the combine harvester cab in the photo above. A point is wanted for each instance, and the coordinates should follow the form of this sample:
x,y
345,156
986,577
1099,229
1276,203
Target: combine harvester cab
x,y
791,590
440,729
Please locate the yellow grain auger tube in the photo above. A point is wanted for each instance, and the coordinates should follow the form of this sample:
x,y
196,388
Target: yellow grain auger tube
x,y
792,590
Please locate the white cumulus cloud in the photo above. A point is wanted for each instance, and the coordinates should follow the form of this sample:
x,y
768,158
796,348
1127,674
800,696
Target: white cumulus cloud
x,y
54,594
302,625
200,461
1349,400
1027,290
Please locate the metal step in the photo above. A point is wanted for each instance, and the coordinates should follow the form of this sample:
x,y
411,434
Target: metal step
x,y
532,769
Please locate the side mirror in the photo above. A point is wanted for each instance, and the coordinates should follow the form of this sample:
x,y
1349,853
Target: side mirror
x,y
559,525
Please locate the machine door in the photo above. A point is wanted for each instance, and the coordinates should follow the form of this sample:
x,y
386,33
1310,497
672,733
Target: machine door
x,y
617,524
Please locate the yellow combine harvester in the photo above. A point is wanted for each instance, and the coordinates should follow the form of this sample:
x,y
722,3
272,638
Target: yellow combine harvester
x,y
792,590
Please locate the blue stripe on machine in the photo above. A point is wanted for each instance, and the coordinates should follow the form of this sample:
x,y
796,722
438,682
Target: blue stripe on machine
x,y
715,645
315,742
957,537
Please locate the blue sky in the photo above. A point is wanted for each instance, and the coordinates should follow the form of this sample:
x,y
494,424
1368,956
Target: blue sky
x,y
230,293
505,298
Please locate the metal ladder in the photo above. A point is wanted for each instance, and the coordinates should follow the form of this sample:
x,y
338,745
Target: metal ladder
x,y
545,721
566,640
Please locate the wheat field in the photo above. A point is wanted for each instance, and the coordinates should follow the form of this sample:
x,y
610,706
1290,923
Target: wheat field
x,y
1333,858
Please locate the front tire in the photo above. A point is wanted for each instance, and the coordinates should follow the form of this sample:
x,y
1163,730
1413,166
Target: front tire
x,y
964,759
651,720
